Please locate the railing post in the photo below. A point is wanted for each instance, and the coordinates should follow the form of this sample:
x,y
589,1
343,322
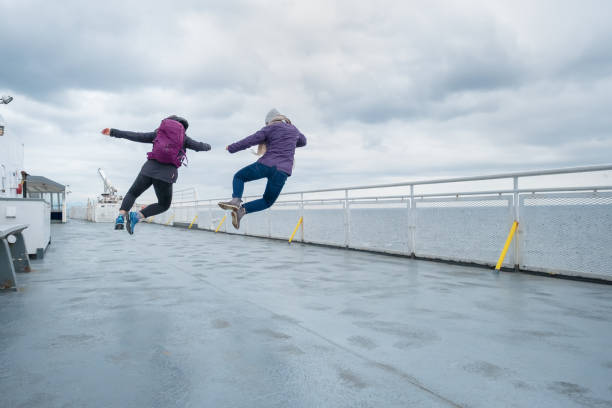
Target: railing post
x,y
302,216
516,219
412,222
64,207
347,220
246,226
210,215
269,211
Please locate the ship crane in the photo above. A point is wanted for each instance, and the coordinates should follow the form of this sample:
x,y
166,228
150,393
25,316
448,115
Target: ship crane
x,y
110,192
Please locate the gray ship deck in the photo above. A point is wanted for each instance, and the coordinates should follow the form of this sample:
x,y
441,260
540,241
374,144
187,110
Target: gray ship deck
x,y
172,317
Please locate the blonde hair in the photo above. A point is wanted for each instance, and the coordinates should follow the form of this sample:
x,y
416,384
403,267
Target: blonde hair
x,y
261,148
279,118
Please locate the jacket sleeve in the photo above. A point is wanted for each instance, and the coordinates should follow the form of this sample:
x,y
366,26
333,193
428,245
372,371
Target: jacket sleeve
x,y
195,145
147,137
301,142
255,139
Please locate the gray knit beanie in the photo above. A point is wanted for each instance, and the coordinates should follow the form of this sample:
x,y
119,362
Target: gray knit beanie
x,y
271,115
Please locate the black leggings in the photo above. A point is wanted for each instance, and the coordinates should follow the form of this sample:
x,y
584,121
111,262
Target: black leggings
x,y
163,191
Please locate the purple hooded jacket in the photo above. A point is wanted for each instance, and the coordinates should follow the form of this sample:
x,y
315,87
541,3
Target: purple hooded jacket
x,y
280,138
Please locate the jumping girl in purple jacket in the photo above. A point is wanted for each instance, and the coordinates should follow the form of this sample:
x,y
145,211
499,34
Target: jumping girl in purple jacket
x,y
278,138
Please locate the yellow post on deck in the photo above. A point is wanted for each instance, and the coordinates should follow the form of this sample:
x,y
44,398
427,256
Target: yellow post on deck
x,y
508,241
221,223
171,219
296,229
194,220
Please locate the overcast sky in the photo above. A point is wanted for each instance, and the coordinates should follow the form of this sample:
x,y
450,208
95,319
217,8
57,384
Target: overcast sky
x,y
385,91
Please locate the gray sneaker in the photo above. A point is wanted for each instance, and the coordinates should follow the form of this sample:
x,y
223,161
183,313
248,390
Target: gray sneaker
x,y
233,204
237,216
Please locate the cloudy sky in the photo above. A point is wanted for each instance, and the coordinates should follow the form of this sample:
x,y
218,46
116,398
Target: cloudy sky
x,y
385,91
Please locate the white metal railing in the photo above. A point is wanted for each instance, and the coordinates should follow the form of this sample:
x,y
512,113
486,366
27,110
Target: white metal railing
x,y
466,224
185,194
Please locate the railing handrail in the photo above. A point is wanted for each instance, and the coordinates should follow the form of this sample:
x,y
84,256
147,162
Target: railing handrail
x,y
420,196
530,173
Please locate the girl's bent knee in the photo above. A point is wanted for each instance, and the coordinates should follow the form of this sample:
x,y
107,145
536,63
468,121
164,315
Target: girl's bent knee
x,y
269,202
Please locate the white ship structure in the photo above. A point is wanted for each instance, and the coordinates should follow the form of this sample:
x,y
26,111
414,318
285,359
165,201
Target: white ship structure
x,y
107,206
29,200
11,162
104,208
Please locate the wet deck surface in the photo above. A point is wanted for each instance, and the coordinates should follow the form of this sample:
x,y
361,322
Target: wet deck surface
x,y
182,318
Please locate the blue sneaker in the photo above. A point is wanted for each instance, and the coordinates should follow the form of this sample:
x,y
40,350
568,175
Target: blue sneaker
x,y
119,222
131,221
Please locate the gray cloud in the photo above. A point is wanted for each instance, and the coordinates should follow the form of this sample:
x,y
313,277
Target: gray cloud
x,y
113,46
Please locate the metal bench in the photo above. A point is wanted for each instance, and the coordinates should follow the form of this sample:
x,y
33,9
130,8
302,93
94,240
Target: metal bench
x,y
13,254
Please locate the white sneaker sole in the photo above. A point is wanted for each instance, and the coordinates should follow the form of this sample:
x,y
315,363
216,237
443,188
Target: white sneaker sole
x,y
235,221
227,206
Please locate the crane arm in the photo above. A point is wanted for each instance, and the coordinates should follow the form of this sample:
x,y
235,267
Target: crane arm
x,y
108,187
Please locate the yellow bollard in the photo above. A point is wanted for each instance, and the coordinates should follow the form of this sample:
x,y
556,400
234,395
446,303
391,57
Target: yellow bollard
x,y
150,219
194,220
171,219
221,223
508,241
296,229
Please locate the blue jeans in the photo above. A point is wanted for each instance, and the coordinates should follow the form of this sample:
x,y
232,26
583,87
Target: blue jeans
x,y
256,171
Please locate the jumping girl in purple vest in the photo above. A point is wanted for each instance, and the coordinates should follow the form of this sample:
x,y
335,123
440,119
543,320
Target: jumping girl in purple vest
x,y
160,170
279,139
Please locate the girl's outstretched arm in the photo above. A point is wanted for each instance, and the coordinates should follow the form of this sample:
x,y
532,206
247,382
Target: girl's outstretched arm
x,y
197,146
301,142
147,137
255,139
